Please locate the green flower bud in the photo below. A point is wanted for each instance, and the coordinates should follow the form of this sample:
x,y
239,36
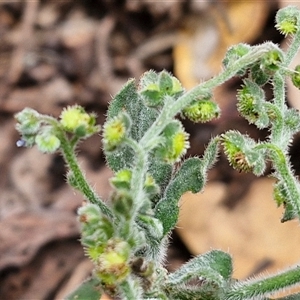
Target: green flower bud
x,y
284,198
272,61
234,53
96,229
122,179
286,20
174,143
251,100
179,145
165,83
46,141
122,203
151,225
292,119
202,111
288,26
28,121
239,161
151,187
115,131
177,88
148,78
74,119
152,96
154,87
258,75
279,194
240,154
89,214
112,265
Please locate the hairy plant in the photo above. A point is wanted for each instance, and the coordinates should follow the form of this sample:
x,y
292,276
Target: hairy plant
x,y
144,143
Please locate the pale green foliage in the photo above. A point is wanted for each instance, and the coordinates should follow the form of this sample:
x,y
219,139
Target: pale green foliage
x,y
144,144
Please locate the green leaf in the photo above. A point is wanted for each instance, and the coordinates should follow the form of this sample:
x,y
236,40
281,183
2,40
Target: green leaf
x,y
161,173
88,290
204,291
243,153
120,159
122,100
283,196
251,104
188,178
129,100
165,82
258,76
142,117
148,78
151,226
154,87
292,120
131,289
234,53
215,266
211,153
256,158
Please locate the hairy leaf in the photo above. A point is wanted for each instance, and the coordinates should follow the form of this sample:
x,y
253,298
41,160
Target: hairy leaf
x,y
188,178
88,290
213,266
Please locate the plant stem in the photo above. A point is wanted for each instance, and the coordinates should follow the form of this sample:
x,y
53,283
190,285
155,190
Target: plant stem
x,y
138,173
252,289
281,165
294,48
67,149
82,185
279,90
171,109
130,289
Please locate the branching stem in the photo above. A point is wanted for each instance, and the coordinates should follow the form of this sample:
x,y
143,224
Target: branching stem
x,y
170,110
282,166
67,149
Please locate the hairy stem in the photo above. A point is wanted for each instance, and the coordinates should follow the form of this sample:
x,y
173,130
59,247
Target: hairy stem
x,y
281,164
81,183
170,110
67,148
279,91
294,47
251,289
138,173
